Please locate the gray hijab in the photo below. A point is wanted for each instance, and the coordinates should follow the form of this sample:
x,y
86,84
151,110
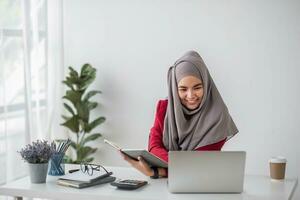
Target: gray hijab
x,y
211,122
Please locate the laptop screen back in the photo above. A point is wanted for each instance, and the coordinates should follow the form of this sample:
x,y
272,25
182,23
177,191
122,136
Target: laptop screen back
x,y
206,171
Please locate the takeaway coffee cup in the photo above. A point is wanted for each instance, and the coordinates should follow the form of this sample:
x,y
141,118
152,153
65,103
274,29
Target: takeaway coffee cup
x,y
277,167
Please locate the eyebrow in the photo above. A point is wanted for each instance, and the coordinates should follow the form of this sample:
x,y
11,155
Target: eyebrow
x,y
199,84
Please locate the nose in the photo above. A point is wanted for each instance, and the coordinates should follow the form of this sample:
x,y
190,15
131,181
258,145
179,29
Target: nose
x,y
190,94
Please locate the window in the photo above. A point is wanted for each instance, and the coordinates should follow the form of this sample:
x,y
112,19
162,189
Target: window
x,y
23,78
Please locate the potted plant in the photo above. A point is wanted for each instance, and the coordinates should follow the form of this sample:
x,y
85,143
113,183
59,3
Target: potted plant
x,y
79,105
37,156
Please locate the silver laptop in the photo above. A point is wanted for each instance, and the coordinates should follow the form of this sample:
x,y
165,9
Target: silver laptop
x,y
206,171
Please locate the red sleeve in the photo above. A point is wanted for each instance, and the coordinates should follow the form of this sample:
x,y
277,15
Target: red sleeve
x,y
155,144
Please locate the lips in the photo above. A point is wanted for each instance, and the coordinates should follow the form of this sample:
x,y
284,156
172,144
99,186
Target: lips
x,y
192,102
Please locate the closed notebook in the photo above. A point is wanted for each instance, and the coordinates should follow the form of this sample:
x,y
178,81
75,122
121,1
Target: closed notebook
x,y
84,177
80,184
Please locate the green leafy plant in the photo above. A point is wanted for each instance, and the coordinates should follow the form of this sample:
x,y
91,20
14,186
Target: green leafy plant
x,y
79,106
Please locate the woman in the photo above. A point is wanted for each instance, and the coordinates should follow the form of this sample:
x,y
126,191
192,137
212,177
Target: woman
x,y
194,117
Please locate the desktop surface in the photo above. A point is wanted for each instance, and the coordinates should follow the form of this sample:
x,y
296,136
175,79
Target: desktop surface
x,y
255,187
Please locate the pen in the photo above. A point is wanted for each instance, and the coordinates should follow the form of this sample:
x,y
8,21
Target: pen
x,y
73,170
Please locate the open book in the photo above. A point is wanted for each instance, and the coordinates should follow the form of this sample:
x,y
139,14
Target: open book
x,y
151,159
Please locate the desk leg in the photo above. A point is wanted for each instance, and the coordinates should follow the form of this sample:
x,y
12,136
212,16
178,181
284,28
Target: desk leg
x,y
18,198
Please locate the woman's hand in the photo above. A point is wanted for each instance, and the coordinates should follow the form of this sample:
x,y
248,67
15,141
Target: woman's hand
x,y
140,165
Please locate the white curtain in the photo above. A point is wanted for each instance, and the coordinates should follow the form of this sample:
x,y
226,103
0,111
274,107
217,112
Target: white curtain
x,y
31,71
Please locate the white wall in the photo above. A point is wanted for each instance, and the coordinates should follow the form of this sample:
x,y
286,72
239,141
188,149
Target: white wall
x,y
252,50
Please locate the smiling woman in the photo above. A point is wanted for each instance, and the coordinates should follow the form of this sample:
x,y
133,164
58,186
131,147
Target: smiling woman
x,y
194,118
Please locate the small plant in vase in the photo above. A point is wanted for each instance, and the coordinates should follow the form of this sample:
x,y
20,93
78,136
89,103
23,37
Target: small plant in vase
x,y
37,156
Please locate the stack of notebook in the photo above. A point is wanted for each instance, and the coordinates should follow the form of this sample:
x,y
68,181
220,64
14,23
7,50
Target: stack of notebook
x,y
81,180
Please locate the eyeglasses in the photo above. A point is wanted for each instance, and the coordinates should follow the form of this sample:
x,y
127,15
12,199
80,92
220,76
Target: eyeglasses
x,y
90,168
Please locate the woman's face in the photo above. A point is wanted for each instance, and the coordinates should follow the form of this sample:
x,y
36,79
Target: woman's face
x,y
190,91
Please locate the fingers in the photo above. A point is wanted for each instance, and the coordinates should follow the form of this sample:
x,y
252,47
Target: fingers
x,y
145,168
128,159
141,159
140,164
124,156
143,163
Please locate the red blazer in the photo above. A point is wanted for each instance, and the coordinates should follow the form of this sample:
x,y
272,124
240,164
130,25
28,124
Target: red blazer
x,y
155,145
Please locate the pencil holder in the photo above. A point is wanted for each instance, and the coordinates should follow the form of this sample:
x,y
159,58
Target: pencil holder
x,y
56,167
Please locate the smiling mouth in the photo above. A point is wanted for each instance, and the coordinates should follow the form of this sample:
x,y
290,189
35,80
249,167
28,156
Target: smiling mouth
x,y
192,102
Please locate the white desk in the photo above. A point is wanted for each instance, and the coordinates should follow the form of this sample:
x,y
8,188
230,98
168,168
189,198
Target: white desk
x,y
255,187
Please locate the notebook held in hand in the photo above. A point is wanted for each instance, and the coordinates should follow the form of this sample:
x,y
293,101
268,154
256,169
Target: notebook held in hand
x,y
151,159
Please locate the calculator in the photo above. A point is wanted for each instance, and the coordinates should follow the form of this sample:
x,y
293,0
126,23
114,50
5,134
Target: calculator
x,y
129,184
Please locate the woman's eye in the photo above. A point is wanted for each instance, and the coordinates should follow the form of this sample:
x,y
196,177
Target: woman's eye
x,y
198,88
182,89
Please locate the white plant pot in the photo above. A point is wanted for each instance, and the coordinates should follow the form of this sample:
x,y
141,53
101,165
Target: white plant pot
x,y
38,172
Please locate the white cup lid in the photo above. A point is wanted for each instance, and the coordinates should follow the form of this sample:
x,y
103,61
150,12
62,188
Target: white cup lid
x,y
278,159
